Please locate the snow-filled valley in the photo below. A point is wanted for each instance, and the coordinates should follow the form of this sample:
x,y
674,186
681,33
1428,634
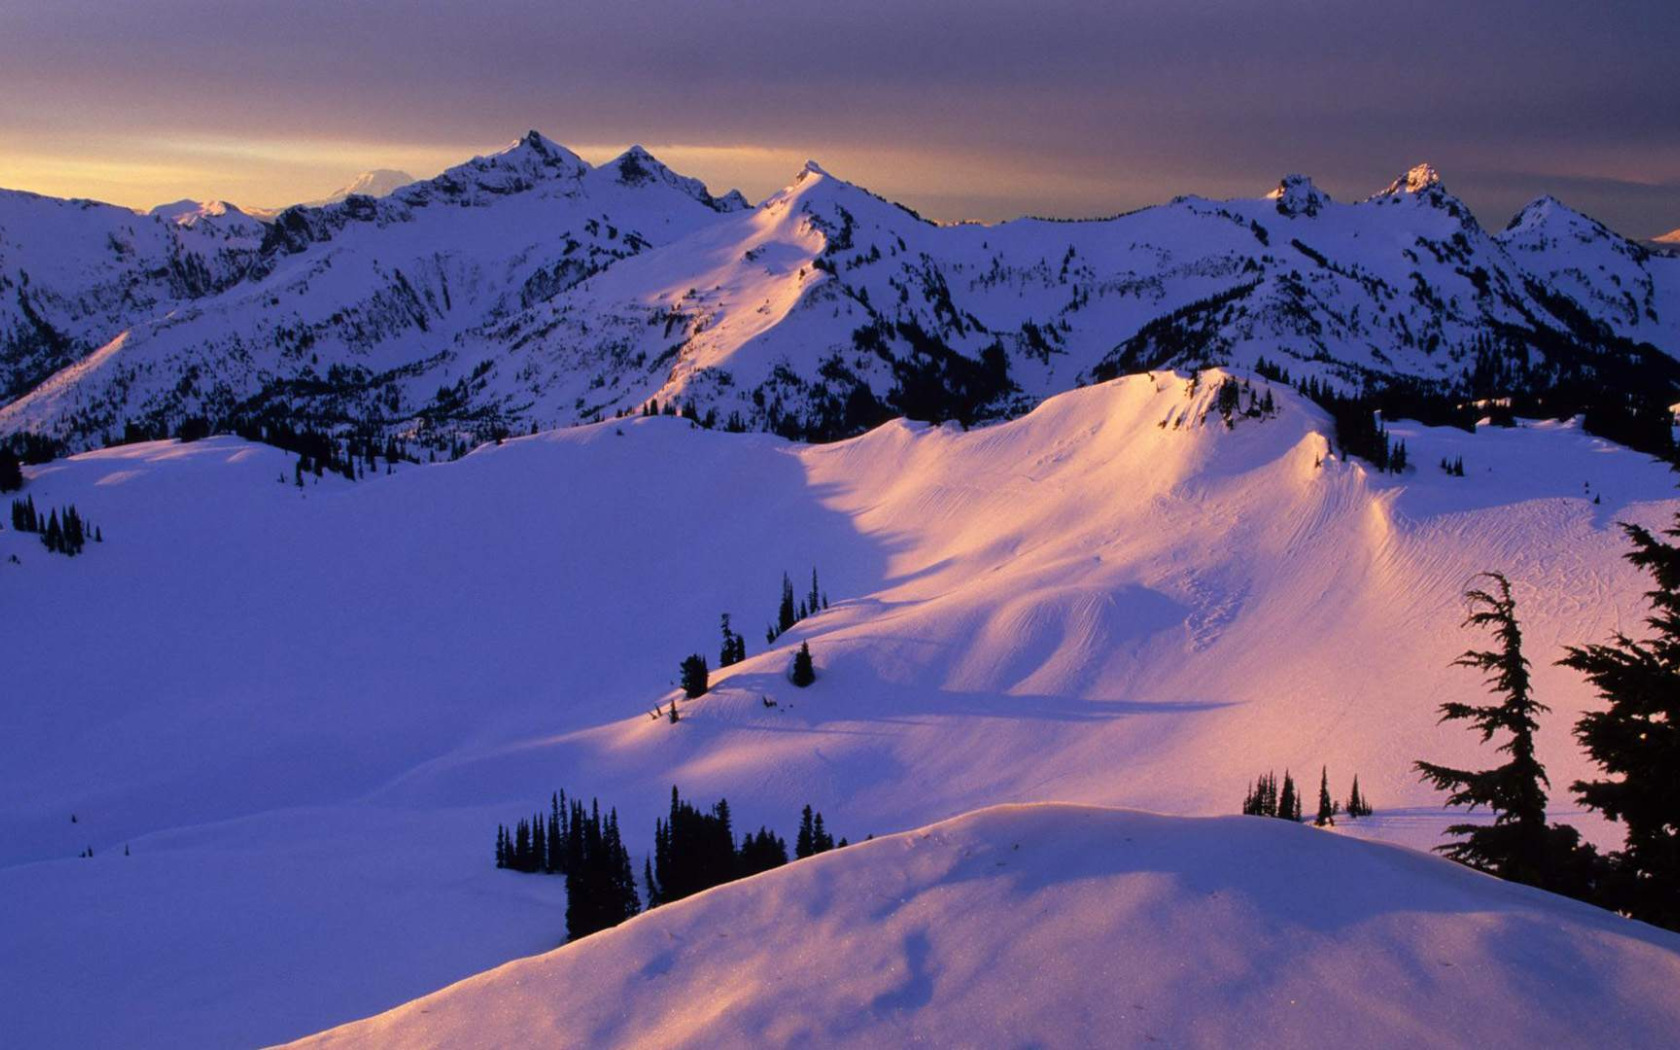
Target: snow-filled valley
x,y
287,721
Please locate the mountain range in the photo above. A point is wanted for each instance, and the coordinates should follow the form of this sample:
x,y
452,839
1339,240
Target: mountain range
x,y
529,289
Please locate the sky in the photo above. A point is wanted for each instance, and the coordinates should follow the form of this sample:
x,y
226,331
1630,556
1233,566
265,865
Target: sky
x,y
978,109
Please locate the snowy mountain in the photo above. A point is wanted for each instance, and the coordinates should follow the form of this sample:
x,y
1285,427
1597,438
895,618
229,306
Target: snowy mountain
x,y
357,305
288,720
75,274
380,182
528,289
1061,926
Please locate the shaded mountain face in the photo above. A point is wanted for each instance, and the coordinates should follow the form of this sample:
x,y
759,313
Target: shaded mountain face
x,y
528,288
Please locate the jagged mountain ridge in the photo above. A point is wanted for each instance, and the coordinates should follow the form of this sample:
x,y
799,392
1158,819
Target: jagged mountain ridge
x,y
529,289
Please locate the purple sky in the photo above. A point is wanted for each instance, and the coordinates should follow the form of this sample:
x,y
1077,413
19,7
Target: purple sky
x,y
976,109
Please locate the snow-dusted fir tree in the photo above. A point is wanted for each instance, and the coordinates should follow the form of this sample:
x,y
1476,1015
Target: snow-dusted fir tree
x,y
1637,741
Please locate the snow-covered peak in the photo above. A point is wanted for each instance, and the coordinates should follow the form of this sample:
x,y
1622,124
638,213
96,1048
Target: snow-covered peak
x,y
1296,195
529,160
376,183
1548,223
216,217
637,167
1550,216
734,200
535,143
1420,178
1672,237
186,211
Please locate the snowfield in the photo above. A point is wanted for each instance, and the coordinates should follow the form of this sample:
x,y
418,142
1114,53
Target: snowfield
x,y
303,713
1067,926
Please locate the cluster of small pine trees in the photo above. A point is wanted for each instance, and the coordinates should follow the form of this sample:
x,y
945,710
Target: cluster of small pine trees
x,y
1635,740
1359,431
1266,799
1454,467
693,850
695,673
734,648
62,531
536,845
788,614
813,838
1228,401
584,847
696,676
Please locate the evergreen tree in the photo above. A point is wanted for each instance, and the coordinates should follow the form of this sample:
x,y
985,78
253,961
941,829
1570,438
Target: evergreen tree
x,y
694,676
1289,802
653,900
693,850
1636,741
812,599
53,536
803,844
734,648
760,852
539,843
785,613
522,847
1356,805
1262,798
804,671
1515,846
11,470
1326,806
554,859
600,883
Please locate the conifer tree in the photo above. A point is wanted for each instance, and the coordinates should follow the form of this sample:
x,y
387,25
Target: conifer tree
x,y
1326,806
785,613
694,676
1515,846
1289,802
734,648
1636,740
11,470
760,852
1356,804
804,671
803,844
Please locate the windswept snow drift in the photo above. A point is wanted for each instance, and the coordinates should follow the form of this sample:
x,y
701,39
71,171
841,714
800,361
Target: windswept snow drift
x,y
1062,926
306,711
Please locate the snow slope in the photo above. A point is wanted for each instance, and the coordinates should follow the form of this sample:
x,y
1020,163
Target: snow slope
x,y
1063,926
527,288
305,711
